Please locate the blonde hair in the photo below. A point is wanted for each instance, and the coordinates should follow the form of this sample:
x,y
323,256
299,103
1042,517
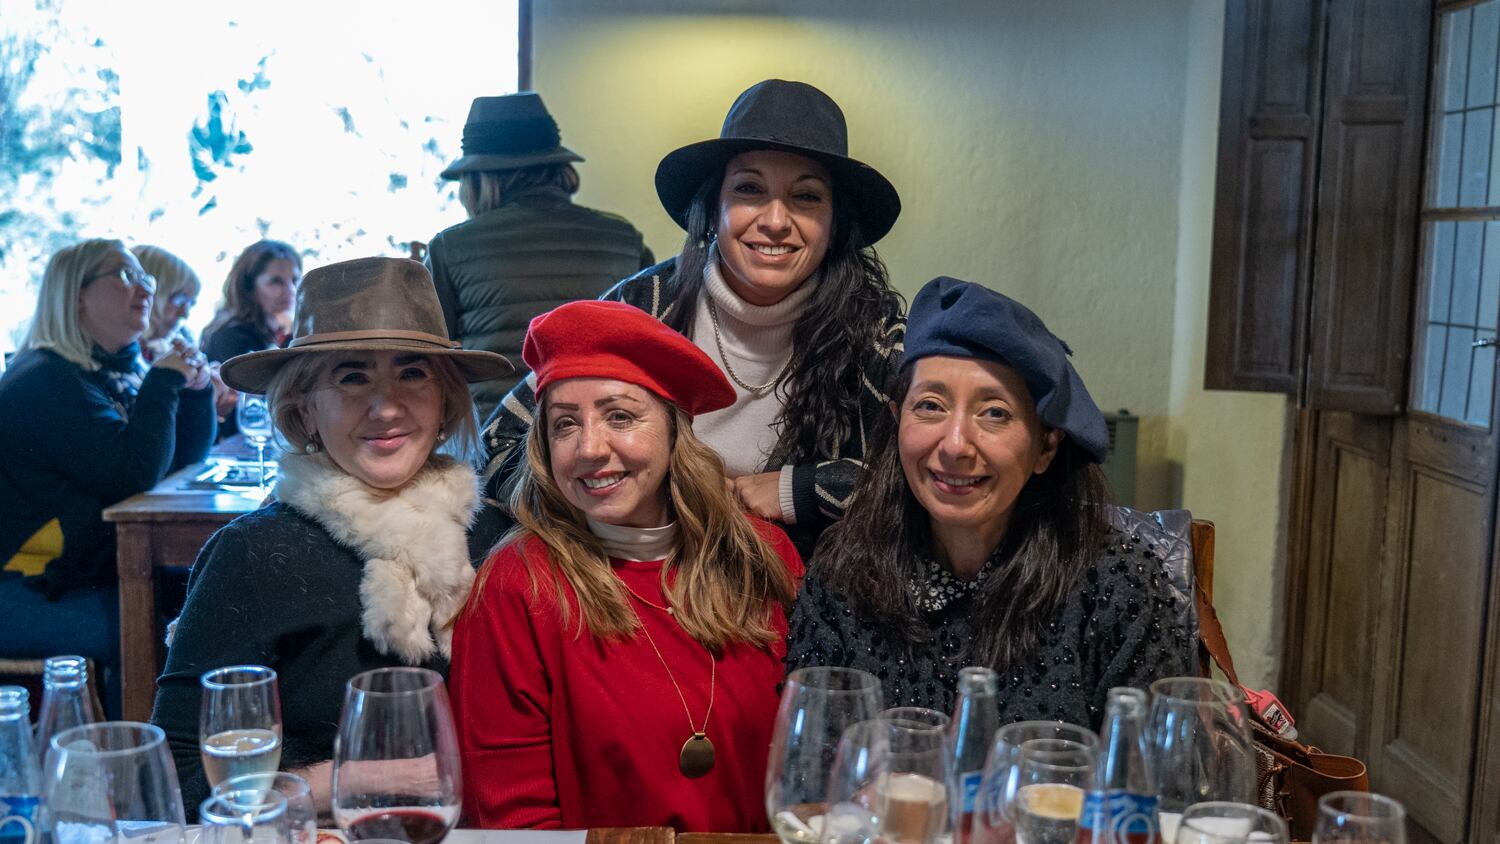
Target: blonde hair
x,y
172,274
56,324
291,387
728,576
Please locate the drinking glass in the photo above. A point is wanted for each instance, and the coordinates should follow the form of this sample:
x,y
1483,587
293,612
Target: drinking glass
x,y
994,815
1200,746
254,417
245,815
395,761
301,812
889,782
239,722
817,706
1053,776
1354,817
1219,822
113,782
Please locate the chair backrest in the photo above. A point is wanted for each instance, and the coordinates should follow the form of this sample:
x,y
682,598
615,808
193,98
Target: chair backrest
x,y
1203,556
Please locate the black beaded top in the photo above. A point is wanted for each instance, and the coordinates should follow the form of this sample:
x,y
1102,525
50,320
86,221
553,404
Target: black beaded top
x,y
1123,626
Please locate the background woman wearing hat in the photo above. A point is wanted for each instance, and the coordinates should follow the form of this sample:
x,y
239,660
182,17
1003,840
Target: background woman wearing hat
x,y
633,584
777,285
256,313
980,536
526,248
84,424
361,562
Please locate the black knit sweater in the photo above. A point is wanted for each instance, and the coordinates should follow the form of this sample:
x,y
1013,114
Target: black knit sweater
x,y
1120,627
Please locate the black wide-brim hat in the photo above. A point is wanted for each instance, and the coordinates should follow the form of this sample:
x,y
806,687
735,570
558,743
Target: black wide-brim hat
x,y
791,117
504,133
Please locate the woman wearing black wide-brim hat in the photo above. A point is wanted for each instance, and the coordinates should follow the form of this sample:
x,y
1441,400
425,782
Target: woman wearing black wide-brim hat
x,y
778,284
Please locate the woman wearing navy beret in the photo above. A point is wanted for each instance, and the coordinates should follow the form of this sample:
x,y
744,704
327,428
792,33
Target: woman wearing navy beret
x,y
981,535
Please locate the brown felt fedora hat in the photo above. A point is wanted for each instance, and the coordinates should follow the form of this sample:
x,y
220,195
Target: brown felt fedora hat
x,y
369,304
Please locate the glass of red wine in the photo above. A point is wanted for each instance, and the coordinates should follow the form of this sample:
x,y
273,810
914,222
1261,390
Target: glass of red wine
x,y
395,761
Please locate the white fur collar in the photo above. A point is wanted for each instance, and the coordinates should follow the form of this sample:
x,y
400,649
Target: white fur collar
x,y
412,540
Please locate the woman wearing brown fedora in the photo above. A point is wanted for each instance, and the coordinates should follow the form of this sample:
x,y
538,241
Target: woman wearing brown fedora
x,y
361,561
777,284
526,247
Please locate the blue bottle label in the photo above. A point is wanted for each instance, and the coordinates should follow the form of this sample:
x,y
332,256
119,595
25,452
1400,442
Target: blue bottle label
x,y
19,814
968,789
1118,817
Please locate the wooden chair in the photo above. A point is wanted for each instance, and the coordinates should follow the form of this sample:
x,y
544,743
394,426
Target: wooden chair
x,y
1203,556
28,674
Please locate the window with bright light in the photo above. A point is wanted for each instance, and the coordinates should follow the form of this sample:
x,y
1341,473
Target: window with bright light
x,y
201,127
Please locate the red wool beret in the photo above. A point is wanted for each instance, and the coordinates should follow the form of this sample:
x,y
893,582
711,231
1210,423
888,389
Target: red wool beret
x,y
594,339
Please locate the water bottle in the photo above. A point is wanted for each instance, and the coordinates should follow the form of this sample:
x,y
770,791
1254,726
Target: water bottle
x,y
65,700
20,778
976,717
1120,808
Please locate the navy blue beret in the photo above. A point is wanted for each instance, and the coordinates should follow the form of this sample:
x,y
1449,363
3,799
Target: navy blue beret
x,y
954,318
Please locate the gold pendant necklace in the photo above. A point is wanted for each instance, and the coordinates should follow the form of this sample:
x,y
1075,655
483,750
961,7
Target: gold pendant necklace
x,y
697,755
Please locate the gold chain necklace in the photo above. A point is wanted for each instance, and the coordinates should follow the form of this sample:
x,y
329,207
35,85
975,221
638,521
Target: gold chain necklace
x,y
713,315
697,755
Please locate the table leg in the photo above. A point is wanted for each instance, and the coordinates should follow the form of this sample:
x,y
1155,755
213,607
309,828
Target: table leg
x,y
138,640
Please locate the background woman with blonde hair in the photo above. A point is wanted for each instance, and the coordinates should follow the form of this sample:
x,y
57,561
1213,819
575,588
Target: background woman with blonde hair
x,y
632,568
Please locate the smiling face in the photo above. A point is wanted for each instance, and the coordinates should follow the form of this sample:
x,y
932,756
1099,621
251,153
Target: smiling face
x,y
378,415
275,289
969,441
775,219
610,445
114,304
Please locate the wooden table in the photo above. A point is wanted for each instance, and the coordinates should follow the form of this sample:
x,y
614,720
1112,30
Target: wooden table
x,y
164,526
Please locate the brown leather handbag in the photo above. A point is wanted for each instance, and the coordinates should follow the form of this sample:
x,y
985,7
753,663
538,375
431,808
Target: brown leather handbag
x,y
1290,775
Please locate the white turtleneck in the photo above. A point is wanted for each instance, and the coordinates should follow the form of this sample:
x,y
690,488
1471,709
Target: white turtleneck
x,y
642,545
757,342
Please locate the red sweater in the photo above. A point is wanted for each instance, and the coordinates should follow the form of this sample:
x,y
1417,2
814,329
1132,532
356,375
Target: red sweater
x,y
562,730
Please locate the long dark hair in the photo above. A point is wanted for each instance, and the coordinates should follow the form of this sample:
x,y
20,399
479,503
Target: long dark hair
x,y
1057,528
239,305
832,340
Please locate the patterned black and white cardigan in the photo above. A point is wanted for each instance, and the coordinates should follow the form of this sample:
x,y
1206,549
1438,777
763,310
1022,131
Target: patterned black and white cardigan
x,y
820,490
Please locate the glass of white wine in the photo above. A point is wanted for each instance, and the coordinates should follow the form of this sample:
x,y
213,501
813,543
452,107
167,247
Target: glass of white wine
x,y
239,724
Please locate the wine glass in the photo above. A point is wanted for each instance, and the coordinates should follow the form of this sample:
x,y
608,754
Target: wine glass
x,y
890,782
1052,776
301,812
254,417
1219,822
994,816
245,815
239,722
395,761
113,782
817,705
1200,746
1355,817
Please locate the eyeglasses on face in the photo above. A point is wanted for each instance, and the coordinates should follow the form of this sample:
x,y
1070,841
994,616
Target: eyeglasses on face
x,y
128,274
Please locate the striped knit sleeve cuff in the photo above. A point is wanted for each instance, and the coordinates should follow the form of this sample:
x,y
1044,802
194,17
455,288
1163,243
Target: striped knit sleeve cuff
x,y
784,493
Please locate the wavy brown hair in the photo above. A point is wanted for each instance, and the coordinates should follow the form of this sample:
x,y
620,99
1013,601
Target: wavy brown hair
x,y
728,576
239,304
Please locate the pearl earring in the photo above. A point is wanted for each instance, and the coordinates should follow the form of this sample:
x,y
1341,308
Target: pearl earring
x,y
311,447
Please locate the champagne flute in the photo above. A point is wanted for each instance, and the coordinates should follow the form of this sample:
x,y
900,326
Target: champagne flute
x,y
301,813
994,815
1219,822
817,705
254,416
1355,817
1200,746
395,761
245,815
113,782
239,722
889,782
1052,776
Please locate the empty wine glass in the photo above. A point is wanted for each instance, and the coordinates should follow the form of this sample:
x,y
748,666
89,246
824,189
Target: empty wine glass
x,y
1052,776
1200,746
239,722
817,705
301,812
254,417
889,781
113,782
395,761
1219,822
994,816
1355,817
245,815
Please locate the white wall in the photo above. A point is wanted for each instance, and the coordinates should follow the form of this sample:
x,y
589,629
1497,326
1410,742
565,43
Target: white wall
x,y
1059,151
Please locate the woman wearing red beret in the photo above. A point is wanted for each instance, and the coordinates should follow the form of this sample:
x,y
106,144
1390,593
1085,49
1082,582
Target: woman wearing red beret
x,y
618,660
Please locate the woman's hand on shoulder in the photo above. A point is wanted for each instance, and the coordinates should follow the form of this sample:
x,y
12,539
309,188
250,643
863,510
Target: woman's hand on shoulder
x,y
759,494
186,360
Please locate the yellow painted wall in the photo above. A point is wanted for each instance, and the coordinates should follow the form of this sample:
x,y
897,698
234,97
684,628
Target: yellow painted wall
x,y
1058,150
